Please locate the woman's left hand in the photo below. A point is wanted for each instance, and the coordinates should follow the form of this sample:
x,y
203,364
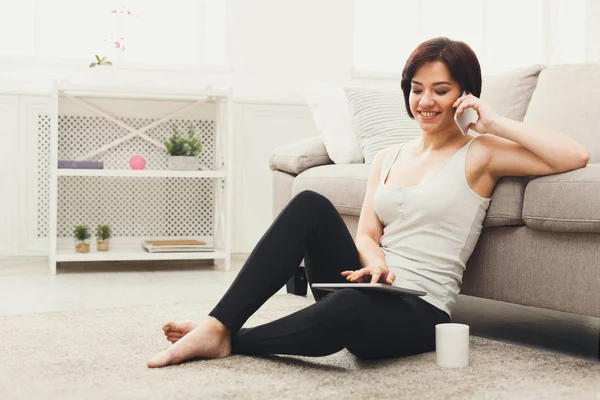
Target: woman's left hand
x,y
487,115
374,274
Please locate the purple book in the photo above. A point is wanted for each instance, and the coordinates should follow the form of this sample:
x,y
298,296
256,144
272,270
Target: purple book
x,y
80,164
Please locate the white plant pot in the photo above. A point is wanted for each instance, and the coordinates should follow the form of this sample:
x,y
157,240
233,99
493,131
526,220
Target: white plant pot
x,y
183,163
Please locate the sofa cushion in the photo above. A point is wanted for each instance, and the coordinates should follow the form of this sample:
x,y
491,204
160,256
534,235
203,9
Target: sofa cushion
x,y
567,202
506,207
282,190
331,113
344,185
567,99
380,119
299,155
509,93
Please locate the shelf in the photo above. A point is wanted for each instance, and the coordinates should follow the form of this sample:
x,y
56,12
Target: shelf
x,y
138,93
126,108
125,249
141,173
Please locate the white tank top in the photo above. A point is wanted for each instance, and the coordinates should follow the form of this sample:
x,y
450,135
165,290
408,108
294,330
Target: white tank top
x,y
430,229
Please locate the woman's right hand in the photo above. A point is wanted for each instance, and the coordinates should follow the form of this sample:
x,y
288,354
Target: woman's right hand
x,y
373,274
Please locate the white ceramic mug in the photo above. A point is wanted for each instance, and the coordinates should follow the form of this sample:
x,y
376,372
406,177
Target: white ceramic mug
x,y
452,345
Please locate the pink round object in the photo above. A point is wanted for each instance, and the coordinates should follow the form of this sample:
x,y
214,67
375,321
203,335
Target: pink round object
x,y
137,162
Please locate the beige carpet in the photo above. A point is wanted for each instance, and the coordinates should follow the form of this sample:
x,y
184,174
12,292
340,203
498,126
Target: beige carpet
x,y
102,354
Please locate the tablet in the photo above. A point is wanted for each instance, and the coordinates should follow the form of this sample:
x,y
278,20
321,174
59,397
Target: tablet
x,y
377,287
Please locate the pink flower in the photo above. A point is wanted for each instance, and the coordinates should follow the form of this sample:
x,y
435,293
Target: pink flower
x,y
114,11
117,44
128,12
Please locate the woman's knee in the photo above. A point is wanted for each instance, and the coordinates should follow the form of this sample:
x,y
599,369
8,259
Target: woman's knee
x,y
312,200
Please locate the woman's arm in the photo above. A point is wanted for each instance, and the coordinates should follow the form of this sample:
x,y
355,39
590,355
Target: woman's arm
x,y
369,233
370,229
518,149
556,150
369,251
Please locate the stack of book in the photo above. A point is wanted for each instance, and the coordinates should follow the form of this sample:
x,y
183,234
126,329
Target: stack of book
x,y
73,164
169,246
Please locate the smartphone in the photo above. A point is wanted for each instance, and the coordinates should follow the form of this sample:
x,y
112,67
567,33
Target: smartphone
x,y
468,116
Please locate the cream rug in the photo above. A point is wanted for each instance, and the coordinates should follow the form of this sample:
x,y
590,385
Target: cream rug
x,y
102,354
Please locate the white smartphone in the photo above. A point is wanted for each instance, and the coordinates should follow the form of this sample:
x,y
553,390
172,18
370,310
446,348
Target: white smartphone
x,y
468,116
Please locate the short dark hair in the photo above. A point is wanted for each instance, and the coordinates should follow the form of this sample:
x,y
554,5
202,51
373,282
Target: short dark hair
x,y
459,58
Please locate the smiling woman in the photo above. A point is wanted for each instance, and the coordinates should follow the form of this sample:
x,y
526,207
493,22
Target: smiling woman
x,y
420,220
457,57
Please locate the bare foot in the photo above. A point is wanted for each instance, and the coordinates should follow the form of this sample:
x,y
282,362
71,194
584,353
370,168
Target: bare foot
x,y
175,330
210,339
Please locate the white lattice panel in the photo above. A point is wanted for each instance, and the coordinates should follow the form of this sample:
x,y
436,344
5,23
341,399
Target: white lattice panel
x,y
78,135
43,176
137,206
132,206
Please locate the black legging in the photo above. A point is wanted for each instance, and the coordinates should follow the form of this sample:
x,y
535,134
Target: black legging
x,y
370,325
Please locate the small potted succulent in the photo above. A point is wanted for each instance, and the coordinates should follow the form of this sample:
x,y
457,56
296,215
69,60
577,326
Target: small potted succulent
x,y
82,238
184,149
103,235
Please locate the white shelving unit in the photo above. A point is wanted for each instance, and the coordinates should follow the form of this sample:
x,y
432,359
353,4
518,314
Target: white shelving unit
x,y
113,124
142,173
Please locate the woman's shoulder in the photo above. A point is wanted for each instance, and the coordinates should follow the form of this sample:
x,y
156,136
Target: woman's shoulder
x,y
381,154
393,149
386,153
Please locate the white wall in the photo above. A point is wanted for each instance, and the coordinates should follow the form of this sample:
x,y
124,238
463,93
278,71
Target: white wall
x,y
592,33
281,45
276,46
9,117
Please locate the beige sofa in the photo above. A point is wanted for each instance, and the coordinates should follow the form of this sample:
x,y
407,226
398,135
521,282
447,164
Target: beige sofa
x,y
540,245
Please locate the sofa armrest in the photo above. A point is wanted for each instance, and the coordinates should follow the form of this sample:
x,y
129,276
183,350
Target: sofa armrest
x,y
300,155
566,202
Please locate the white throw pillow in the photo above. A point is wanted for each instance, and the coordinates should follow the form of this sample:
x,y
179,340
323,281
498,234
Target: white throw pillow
x,y
329,107
380,120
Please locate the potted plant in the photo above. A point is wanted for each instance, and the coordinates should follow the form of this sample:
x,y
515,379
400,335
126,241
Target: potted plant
x,y
100,61
82,238
103,234
184,149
